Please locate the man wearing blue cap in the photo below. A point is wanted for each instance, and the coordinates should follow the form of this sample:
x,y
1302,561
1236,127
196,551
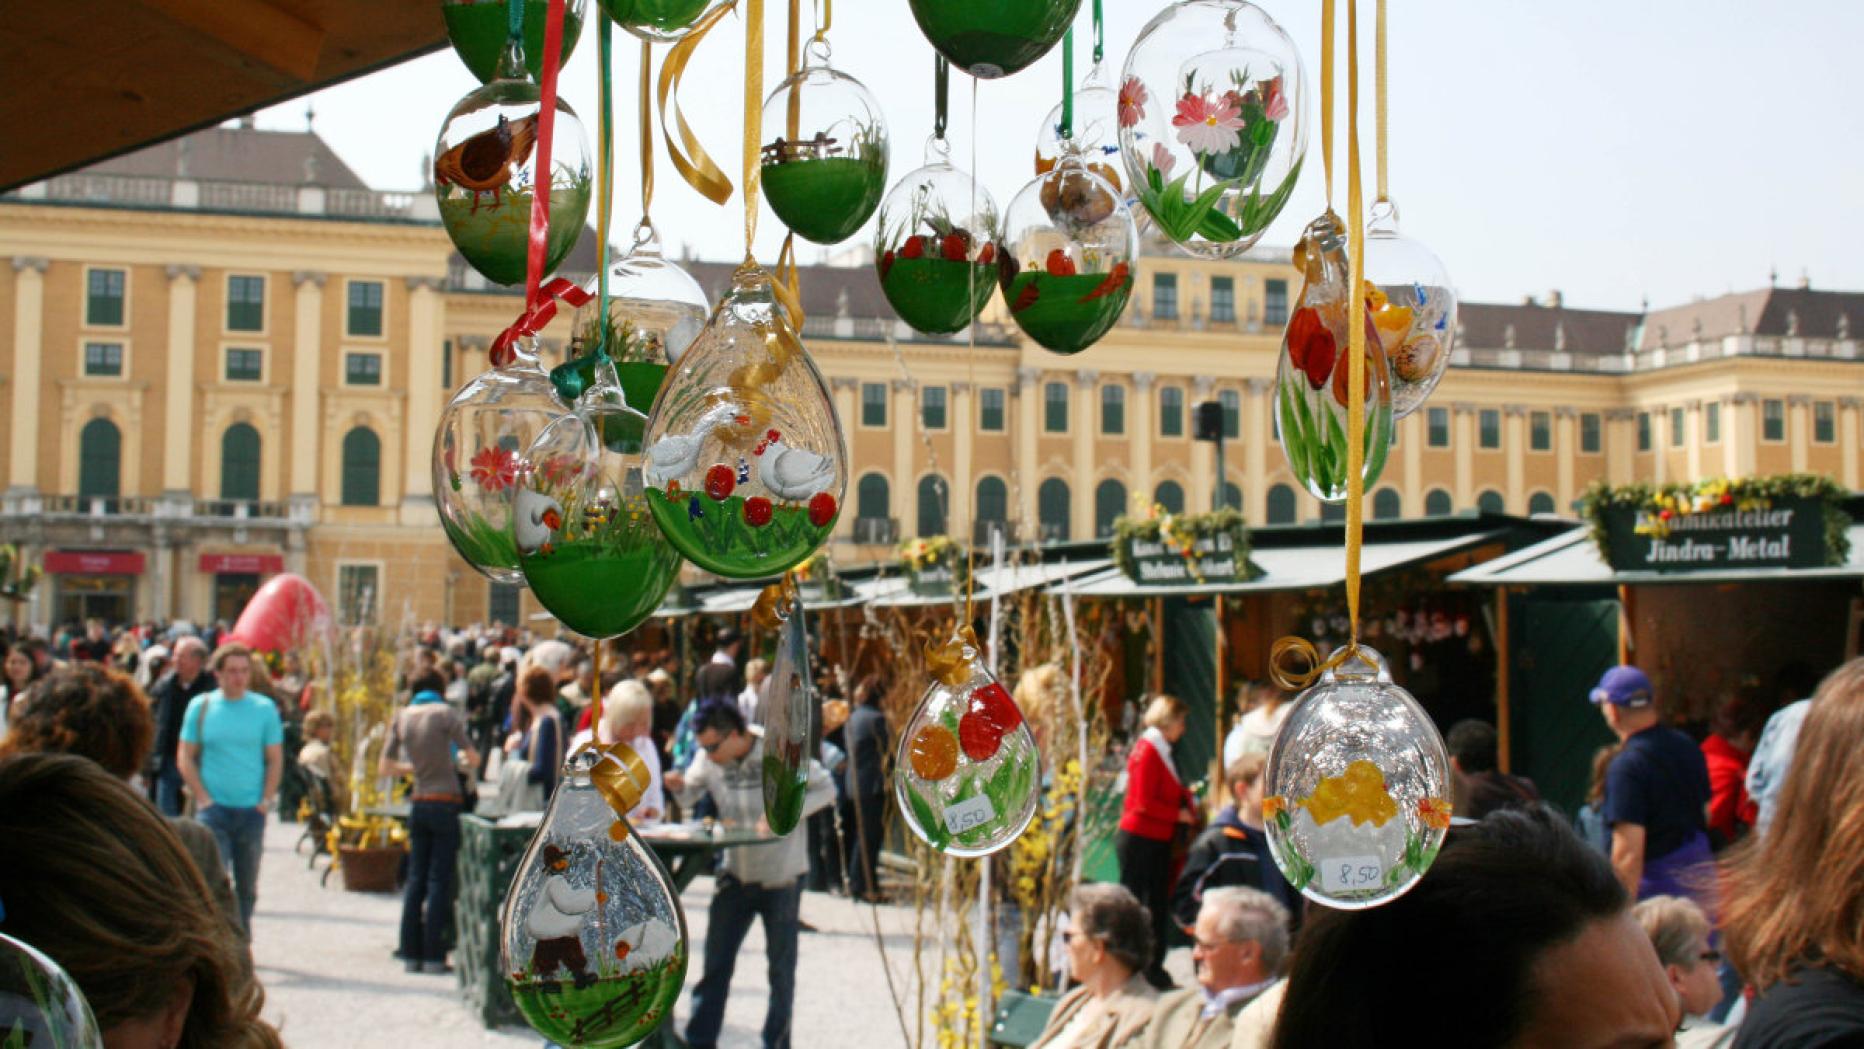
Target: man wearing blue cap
x,y
1656,795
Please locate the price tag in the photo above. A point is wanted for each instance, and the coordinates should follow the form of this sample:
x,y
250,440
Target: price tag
x,y
972,812
1351,873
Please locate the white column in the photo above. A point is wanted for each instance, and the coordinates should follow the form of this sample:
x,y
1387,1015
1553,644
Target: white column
x,y
178,417
1084,422
1745,433
1514,439
1028,394
28,337
1139,430
425,309
1848,409
1799,430
905,482
1411,450
962,420
1463,420
1565,422
1692,440
1257,435
306,354
1620,445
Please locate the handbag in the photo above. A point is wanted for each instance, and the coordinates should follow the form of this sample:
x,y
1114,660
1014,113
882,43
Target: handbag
x,y
516,791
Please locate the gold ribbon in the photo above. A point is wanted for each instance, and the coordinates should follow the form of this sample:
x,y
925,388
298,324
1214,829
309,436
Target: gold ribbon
x,y
787,283
753,114
1326,96
647,130
700,172
620,776
1378,81
946,660
1303,649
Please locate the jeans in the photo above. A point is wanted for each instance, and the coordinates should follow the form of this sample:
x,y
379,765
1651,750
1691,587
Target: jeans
x,y
427,900
241,836
734,904
168,789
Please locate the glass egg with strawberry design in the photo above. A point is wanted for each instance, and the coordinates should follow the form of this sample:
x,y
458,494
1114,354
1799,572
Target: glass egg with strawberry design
x,y
1068,257
935,249
967,774
479,447
1312,375
1212,115
824,164
1413,308
990,38
1356,788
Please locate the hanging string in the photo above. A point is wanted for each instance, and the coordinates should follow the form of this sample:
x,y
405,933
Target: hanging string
x,y
1100,33
1356,331
1378,88
825,17
793,117
1067,85
941,88
689,157
514,22
647,133
545,179
605,136
1326,96
753,110
970,357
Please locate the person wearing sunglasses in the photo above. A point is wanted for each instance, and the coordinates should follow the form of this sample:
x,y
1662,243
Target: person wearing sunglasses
x,y
1680,933
1109,942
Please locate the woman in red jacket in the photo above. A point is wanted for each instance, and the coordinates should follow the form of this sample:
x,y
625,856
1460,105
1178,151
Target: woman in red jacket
x,y
1156,803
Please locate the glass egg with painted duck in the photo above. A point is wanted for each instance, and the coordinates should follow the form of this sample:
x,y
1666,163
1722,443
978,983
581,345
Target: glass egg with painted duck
x,y
1212,114
991,38
1068,257
1413,308
824,161
479,30
935,248
485,175
1356,789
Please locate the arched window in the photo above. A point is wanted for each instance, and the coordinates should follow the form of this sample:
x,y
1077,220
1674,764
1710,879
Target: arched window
x,y
1540,503
1386,505
1109,504
1333,513
1232,495
362,468
932,503
239,462
993,502
1053,511
1170,495
1437,503
100,449
870,497
1281,505
1490,502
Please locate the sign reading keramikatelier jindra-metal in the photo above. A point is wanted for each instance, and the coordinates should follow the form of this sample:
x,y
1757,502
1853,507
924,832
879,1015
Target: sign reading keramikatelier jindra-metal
x,y
1789,533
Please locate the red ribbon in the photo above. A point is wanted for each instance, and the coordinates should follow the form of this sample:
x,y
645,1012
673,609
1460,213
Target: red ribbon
x,y
536,317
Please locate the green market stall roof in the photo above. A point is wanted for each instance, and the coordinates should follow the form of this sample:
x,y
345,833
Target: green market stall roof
x,y
896,591
1316,564
1571,559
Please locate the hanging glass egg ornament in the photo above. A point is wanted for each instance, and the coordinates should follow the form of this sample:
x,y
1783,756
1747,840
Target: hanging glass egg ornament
x,y
485,174
746,466
657,21
1095,134
789,710
967,774
935,248
824,163
591,936
655,310
994,38
1356,792
1413,308
479,446
1312,373
478,30
40,1003
1212,113
586,542
1068,257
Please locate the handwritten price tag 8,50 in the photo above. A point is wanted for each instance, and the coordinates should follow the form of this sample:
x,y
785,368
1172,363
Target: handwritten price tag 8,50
x,y
963,815
1351,873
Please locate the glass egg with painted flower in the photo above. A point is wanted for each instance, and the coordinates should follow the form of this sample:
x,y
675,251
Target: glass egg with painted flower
x,y
1356,789
1413,307
1068,256
824,162
1212,114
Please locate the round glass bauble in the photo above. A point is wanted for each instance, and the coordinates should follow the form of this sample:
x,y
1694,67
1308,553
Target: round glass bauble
x,y
485,174
1356,791
1312,374
591,936
935,250
994,38
40,1003
655,310
1212,114
824,164
1414,309
479,448
746,467
657,21
1068,257
967,774
1095,135
479,30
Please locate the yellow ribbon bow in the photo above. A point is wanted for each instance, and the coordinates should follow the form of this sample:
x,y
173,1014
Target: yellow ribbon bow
x,y
773,605
620,776
1304,650
948,661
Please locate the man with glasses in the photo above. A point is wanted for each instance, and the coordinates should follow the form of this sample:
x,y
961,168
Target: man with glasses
x,y
1241,941
753,881
1680,932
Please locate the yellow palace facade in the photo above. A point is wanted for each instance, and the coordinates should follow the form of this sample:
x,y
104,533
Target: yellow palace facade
x,y
224,357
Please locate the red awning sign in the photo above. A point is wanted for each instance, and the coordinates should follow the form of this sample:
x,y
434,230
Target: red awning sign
x,y
242,564
93,562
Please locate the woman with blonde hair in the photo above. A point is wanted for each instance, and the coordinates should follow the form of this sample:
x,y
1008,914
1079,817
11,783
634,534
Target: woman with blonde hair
x,y
1156,804
1793,903
628,717
92,876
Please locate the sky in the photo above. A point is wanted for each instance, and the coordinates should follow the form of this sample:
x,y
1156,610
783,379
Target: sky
x,y
1658,150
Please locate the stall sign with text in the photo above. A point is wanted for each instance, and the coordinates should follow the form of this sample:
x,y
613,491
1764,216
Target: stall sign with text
x,y
1788,534
1215,557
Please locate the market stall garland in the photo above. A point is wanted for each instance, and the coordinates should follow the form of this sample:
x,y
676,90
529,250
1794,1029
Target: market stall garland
x,y
1667,503
1180,532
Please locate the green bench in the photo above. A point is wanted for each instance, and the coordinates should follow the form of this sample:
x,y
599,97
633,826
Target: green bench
x,y
1020,1019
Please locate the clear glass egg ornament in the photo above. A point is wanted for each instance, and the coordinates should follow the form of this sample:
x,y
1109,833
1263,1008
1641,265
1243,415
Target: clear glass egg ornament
x,y
1414,311
479,29
1312,376
990,38
967,773
40,1003
745,465
485,174
1356,791
1212,114
479,447
1095,133
935,247
791,714
655,310
1069,254
587,544
591,936
824,164
657,21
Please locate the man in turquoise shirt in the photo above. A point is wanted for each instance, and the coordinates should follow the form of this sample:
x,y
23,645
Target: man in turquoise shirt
x,y
232,752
